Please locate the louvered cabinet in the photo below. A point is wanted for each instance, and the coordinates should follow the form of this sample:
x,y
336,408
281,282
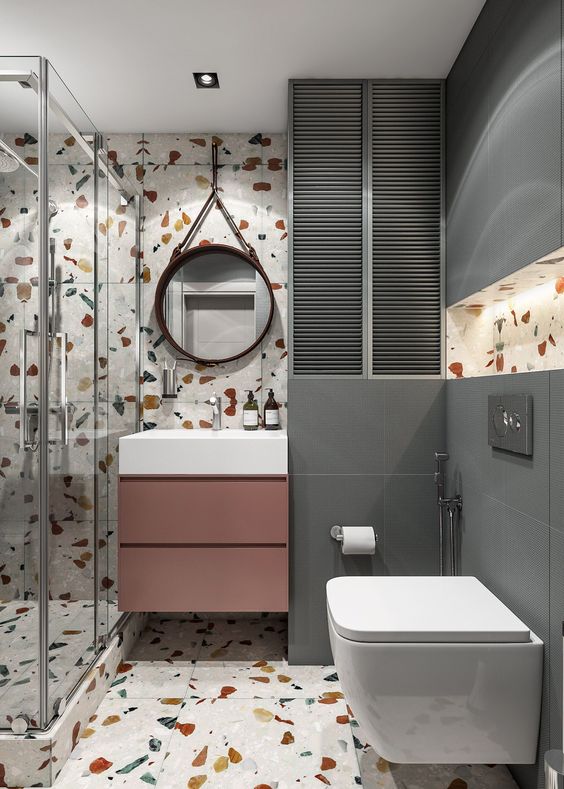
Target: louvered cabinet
x,y
366,237
327,228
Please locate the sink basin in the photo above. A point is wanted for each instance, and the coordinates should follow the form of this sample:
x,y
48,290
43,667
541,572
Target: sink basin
x,y
238,452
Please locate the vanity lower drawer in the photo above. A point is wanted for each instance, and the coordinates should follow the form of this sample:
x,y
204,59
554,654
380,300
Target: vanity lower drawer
x,y
192,578
203,510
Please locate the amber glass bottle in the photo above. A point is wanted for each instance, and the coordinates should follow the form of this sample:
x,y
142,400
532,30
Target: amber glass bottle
x,y
271,413
250,413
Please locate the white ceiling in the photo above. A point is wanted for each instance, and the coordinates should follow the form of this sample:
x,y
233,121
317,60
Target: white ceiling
x,y
130,62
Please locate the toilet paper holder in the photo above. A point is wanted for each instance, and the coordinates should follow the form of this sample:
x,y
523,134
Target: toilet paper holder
x,y
337,533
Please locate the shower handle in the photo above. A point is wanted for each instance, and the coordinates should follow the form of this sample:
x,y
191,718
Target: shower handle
x,y
63,337
24,410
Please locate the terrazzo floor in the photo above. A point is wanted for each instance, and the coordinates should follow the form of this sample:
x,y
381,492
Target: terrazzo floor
x,y
71,629
205,701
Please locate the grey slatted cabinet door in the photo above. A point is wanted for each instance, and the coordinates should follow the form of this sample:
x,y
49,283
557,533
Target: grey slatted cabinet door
x,y
326,184
406,193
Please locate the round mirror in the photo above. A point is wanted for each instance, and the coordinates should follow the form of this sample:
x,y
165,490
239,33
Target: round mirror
x,y
214,303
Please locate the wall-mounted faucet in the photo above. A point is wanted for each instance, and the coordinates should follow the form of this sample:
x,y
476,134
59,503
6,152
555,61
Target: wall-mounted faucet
x,y
215,403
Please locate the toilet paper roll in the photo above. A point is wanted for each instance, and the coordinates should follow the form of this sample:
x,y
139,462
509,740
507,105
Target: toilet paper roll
x,y
358,539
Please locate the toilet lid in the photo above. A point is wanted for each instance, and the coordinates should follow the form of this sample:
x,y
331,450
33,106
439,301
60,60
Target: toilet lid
x,y
421,609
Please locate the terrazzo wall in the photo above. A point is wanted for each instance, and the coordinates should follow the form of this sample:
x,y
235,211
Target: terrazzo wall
x,y
174,171
515,325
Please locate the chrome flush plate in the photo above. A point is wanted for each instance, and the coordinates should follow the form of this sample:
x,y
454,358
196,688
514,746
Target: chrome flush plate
x,y
510,423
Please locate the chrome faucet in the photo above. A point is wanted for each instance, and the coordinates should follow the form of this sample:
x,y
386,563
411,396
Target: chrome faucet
x,y
215,403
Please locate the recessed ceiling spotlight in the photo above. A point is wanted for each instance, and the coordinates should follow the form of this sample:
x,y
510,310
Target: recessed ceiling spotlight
x,y
206,79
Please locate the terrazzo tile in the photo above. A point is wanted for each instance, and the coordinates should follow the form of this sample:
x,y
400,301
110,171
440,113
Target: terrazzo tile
x,y
125,148
169,639
230,641
124,743
275,743
263,679
246,150
151,679
71,634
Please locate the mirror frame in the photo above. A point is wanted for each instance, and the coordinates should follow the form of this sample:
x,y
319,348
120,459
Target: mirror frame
x,y
175,264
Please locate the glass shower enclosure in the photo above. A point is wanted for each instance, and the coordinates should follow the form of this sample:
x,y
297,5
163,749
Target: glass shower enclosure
x,y
61,267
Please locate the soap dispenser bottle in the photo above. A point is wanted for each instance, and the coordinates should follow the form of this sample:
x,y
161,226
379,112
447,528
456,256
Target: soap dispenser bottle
x,y
271,413
250,413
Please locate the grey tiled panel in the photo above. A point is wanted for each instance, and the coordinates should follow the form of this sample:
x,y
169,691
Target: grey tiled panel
x,y
556,618
557,449
468,264
402,510
553,682
481,34
524,137
528,479
414,424
364,427
503,121
412,526
472,463
516,480
318,502
526,579
336,427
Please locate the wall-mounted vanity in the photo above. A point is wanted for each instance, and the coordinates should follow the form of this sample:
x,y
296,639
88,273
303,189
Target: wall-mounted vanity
x,y
203,521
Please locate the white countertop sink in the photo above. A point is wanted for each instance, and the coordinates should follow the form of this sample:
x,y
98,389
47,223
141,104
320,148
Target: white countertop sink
x,y
237,452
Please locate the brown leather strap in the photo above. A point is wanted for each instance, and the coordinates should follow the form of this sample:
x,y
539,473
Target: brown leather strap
x,y
214,197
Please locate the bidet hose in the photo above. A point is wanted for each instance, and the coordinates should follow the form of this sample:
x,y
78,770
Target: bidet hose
x,y
452,543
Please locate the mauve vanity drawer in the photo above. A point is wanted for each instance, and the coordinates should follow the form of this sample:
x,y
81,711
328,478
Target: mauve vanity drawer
x,y
186,510
241,578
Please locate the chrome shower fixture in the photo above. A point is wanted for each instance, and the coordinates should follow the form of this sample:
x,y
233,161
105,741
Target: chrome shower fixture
x,y
8,163
53,208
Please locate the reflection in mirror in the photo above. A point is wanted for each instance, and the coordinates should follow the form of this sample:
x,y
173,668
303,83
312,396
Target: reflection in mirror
x,y
217,305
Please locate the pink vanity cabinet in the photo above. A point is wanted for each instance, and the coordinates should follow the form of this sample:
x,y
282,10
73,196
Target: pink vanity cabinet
x,y
203,543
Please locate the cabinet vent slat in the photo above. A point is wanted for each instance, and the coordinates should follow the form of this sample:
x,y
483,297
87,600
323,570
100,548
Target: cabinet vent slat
x,y
327,228
405,148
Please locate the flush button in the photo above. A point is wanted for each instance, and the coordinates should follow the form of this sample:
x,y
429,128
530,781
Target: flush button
x,y
515,422
500,420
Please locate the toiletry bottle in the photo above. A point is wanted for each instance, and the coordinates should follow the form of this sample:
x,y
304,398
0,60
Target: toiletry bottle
x,y
250,413
271,413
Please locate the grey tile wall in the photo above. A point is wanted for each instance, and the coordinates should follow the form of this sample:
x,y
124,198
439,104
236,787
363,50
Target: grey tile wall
x,y
504,151
512,534
361,452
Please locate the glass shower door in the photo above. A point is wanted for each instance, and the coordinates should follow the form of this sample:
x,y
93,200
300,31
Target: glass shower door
x,y
69,276
72,392
19,365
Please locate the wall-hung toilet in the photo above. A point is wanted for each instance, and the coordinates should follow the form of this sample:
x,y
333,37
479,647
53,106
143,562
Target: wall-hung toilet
x,y
436,669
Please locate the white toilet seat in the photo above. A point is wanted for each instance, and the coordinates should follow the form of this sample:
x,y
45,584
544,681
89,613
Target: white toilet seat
x,y
421,609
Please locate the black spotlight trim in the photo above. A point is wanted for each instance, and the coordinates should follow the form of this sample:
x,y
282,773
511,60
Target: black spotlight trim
x,y
199,79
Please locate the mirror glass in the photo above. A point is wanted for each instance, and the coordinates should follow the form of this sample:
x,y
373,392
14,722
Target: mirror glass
x,y
217,304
